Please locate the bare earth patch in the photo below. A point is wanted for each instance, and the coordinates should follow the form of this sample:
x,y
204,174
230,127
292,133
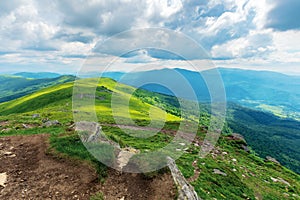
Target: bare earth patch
x,y
32,174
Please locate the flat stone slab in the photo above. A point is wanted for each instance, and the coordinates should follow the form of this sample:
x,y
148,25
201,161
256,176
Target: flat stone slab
x,y
3,179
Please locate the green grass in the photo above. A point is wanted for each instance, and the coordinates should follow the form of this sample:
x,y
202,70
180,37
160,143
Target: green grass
x,y
251,177
72,146
13,87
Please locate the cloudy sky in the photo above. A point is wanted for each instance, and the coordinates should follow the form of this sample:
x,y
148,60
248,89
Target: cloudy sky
x,y
58,35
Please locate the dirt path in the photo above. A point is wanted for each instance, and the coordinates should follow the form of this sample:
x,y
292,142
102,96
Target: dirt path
x,y
31,174
137,187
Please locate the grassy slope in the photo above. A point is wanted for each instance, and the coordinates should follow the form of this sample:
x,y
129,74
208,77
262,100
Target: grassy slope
x,y
247,177
268,135
12,87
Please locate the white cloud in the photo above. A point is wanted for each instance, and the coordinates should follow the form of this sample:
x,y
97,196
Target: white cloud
x,y
61,32
257,43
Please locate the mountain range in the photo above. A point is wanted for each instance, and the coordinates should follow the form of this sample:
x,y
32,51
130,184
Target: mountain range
x,y
262,105
263,90
231,170
16,86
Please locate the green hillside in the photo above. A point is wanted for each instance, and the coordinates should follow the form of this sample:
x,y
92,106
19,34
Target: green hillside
x,y
228,172
13,87
267,134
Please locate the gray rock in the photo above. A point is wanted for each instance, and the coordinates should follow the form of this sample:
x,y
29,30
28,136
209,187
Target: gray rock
x,y
185,190
35,115
245,148
217,171
270,159
91,132
280,180
52,123
25,126
236,136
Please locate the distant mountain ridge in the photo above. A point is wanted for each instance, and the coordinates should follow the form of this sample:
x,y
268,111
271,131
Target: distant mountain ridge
x,y
264,90
13,87
37,75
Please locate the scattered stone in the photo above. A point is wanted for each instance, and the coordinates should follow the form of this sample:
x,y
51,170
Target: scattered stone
x,y
224,153
236,136
182,144
52,123
252,174
206,148
101,98
25,126
12,156
7,130
234,170
245,148
217,171
270,159
286,194
274,179
35,115
131,150
3,179
280,180
7,153
233,159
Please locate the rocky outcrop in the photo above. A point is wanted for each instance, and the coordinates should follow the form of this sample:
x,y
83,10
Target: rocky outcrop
x,y
185,190
52,123
91,132
236,136
270,159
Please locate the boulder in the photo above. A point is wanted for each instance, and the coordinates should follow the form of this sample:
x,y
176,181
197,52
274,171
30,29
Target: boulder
x,y
52,123
270,159
185,190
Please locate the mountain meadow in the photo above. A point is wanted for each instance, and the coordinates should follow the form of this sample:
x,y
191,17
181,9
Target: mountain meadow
x,y
256,156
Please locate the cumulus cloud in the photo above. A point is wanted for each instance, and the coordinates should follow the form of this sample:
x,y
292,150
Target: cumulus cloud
x,y
63,32
285,15
103,17
255,44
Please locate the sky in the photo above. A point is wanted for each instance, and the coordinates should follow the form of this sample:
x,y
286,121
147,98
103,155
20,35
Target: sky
x,y
59,35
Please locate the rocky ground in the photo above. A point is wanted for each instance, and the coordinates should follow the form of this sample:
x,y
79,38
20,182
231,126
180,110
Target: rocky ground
x,y
29,173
